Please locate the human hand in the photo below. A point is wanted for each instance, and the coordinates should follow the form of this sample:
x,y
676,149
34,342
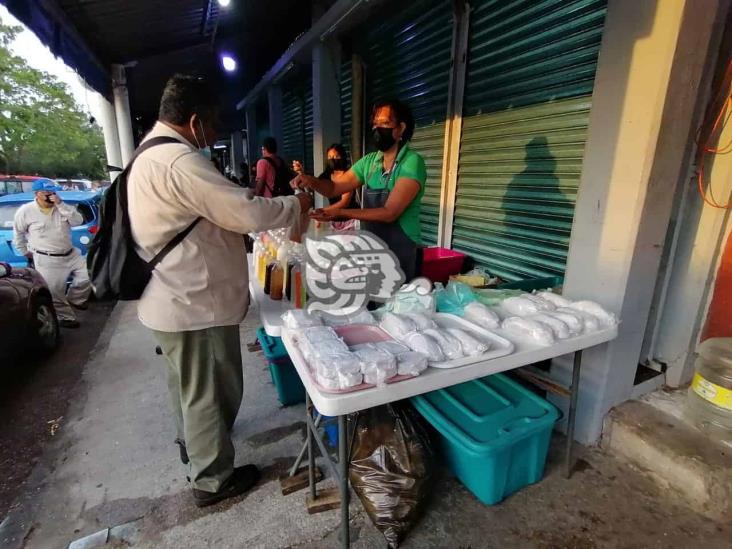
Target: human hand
x,y
306,201
54,199
28,256
297,167
303,181
324,215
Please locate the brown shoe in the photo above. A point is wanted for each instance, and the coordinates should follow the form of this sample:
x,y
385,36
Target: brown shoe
x,y
239,482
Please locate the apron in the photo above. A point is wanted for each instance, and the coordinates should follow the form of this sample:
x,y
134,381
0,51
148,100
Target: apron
x,y
403,247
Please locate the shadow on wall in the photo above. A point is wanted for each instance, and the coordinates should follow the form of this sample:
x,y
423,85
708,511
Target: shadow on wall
x,y
536,207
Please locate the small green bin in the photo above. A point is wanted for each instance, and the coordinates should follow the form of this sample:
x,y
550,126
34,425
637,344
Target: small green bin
x,y
290,389
494,434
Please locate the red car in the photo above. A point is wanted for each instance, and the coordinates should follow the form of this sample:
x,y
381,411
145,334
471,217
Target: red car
x,y
27,318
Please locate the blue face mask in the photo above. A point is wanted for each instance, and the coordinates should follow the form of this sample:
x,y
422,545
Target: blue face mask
x,y
205,152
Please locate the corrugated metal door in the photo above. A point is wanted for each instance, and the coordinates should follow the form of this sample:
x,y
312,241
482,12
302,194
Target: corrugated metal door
x,y
308,126
408,56
346,85
530,73
293,126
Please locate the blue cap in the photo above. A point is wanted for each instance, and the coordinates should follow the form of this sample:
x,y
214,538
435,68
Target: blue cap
x,y
44,185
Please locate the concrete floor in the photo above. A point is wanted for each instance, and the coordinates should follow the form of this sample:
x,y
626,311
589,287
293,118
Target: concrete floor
x,y
113,463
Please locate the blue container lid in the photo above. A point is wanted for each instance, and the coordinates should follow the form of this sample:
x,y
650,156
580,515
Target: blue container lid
x,y
486,413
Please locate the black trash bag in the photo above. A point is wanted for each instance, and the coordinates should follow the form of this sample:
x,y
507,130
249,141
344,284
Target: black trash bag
x,y
392,464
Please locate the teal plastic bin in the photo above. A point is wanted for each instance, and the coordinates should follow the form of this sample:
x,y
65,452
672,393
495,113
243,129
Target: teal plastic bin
x,y
290,389
494,434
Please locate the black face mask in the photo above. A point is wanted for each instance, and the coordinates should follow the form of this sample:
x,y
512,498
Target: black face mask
x,y
337,164
383,138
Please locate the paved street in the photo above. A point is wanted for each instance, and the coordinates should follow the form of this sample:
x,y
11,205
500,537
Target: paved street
x,y
112,462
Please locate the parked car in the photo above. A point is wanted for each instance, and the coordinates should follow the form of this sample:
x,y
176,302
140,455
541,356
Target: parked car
x,y
13,184
86,202
28,320
74,184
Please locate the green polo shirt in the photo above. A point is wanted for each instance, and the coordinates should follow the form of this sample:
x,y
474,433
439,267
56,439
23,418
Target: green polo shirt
x,y
408,164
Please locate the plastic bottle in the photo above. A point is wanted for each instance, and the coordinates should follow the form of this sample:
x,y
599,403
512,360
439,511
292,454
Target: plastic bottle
x,y
268,276
262,267
276,281
709,401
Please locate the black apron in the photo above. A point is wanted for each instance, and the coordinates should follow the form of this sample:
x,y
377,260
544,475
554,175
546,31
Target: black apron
x,y
403,247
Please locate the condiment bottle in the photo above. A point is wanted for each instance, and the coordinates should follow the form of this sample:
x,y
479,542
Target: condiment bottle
x,y
277,275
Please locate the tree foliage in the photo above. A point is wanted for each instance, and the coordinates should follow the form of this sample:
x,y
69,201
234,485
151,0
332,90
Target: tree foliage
x,y
42,129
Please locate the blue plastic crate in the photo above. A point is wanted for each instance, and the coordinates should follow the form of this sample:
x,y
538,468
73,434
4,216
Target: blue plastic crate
x,y
494,434
288,385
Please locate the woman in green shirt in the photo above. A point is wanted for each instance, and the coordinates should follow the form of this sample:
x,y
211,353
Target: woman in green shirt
x,y
393,181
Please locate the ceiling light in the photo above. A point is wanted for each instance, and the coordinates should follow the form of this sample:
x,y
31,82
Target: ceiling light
x,y
228,62
224,3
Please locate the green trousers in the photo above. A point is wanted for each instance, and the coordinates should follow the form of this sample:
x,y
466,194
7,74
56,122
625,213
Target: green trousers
x,y
205,383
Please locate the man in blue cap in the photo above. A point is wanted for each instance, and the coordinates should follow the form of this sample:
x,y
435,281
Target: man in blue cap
x,y
42,233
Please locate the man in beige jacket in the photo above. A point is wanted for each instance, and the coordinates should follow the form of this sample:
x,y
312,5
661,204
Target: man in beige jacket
x,y
199,293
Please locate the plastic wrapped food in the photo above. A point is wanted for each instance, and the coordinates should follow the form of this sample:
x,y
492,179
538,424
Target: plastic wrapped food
x,y
424,344
320,341
340,382
397,325
450,346
297,319
481,315
590,322
573,321
521,306
559,328
393,347
411,363
557,299
606,318
421,321
528,330
315,334
377,365
471,346
333,364
541,303
362,317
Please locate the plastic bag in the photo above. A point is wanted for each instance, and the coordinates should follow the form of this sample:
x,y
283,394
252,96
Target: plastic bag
x,y
557,299
297,319
411,363
493,297
392,467
471,345
342,381
450,346
520,306
421,321
590,322
424,344
481,315
590,307
377,364
559,328
573,321
397,326
528,330
453,298
541,303
362,317
333,364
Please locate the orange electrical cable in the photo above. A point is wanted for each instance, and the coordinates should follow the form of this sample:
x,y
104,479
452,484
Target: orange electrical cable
x,y
706,148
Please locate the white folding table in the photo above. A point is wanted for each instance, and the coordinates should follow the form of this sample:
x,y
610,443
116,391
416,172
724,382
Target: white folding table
x,y
341,404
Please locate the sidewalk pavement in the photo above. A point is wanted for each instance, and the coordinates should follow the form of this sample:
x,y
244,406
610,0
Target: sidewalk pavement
x,y
114,465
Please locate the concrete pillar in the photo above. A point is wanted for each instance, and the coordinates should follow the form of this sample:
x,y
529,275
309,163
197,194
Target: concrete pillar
x,y
122,112
326,101
108,121
237,152
252,145
646,87
274,98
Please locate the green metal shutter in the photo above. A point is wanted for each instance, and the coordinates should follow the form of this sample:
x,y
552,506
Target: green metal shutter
x,y
308,126
346,85
293,136
408,56
530,73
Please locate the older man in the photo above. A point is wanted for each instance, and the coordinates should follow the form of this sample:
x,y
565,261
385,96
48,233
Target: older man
x,y
199,293
42,233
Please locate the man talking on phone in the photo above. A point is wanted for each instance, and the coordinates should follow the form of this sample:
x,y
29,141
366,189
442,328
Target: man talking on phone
x,y
42,233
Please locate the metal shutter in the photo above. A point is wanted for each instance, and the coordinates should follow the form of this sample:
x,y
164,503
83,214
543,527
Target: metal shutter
x,y
308,126
346,85
530,73
293,130
408,57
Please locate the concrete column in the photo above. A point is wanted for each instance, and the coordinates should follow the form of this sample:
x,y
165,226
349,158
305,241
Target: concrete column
x,y
237,152
274,98
108,121
326,101
646,86
252,145
122,112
